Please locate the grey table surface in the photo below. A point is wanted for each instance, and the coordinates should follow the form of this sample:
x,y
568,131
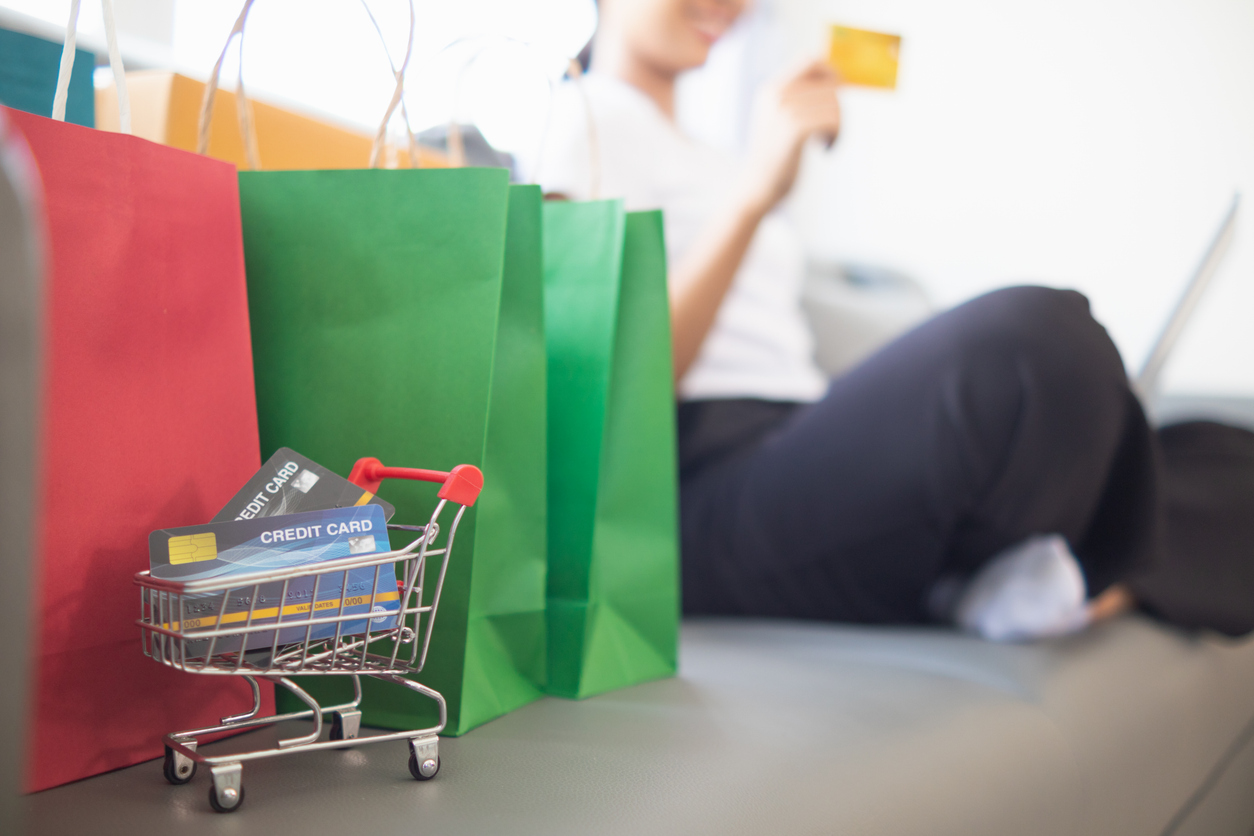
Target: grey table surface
x,y
779,727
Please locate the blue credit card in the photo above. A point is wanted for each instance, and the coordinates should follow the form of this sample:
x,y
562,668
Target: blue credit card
x,y
216,551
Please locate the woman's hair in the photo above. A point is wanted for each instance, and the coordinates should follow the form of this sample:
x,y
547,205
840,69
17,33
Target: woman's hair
x,y
585,55
584,58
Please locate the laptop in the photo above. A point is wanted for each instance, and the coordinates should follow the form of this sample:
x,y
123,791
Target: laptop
x,y
1147,379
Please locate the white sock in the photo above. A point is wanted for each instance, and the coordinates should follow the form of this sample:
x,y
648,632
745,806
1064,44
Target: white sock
x,y
1030,590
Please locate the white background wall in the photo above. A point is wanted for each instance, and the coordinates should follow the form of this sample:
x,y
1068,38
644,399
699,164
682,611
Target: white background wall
x,y
1085,143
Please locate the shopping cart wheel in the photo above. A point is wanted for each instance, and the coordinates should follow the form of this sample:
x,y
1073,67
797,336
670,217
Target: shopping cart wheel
x,y
178,768
217,805
424,770
424,758
227,793
345,725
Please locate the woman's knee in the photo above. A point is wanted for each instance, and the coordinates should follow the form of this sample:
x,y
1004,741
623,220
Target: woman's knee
x,y
1034,354
1031,310
1045,327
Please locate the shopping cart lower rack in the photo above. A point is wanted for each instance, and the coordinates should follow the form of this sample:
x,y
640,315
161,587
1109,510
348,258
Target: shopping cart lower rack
x,y
214,644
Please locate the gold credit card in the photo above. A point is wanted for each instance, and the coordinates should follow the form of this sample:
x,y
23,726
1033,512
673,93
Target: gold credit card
x,y
864,57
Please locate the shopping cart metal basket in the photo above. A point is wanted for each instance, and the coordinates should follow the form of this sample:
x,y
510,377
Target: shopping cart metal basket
x,y
180,631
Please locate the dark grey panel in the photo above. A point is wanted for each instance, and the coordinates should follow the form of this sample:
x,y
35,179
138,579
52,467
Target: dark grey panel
x,y
19,360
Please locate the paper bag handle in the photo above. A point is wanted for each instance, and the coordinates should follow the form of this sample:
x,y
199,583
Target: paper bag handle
x,y
455,144
398,95
249,130
115,63
456,149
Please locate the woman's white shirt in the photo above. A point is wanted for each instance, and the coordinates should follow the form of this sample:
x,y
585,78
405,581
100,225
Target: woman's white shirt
x,y
760,345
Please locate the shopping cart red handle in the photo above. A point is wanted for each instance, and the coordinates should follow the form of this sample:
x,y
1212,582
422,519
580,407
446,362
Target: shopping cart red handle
x,y
461,484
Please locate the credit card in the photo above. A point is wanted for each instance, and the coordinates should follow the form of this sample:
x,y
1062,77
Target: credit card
x,y
863,57
289,483
222,549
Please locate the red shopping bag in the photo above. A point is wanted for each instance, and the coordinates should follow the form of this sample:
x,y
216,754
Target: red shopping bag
x,y
149,422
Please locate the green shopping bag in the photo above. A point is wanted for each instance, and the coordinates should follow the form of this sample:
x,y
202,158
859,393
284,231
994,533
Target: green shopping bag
x,y
398,314
613,587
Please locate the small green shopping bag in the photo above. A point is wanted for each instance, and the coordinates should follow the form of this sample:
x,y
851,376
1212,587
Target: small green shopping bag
x,y
613,586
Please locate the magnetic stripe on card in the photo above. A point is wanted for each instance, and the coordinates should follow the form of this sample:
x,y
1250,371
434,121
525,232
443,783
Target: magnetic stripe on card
x,y
272,612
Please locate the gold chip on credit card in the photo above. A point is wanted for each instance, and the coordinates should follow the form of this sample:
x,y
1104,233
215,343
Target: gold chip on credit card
x,y
193,548
864,57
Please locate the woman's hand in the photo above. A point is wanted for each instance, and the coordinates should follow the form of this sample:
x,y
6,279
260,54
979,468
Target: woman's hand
x,y
786,114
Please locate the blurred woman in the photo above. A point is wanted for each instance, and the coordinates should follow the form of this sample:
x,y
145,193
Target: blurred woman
x,y
991,466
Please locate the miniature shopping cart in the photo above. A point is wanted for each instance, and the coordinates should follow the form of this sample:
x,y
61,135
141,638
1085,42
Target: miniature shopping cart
x,y
178,631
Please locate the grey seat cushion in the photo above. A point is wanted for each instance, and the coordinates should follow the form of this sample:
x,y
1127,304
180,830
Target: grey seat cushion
x,y
794,729
1110,732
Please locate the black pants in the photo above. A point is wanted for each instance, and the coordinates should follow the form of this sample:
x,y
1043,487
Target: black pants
x,y
1007,416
